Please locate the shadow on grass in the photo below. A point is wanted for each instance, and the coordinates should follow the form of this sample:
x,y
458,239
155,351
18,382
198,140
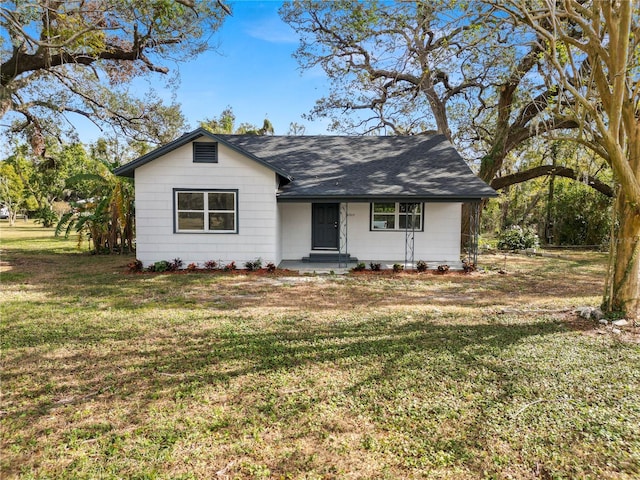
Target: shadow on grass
x,y
180,363
81,335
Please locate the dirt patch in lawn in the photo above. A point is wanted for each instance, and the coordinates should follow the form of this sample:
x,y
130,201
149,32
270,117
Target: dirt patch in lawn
x,y
592,328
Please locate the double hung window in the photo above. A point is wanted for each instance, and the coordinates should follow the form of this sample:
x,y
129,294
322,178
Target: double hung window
x,y
396,216
213,211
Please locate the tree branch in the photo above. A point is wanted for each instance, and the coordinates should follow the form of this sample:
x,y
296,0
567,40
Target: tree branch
x,y
543,170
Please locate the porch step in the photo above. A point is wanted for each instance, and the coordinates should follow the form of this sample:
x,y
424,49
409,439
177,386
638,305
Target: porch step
x,y
329,258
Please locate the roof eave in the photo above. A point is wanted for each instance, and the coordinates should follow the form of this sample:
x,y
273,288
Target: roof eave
x,y
128,169
388,198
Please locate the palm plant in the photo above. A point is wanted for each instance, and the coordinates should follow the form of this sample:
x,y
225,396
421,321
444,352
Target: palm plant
x,y
107,217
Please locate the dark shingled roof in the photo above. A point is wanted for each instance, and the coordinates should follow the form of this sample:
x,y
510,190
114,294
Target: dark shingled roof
x,y
334,167
421,167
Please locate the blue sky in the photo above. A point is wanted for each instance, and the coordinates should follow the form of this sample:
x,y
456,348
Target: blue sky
x,y
253,72
251,69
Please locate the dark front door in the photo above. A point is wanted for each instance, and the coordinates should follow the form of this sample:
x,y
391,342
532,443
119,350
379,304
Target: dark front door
x,y
325,220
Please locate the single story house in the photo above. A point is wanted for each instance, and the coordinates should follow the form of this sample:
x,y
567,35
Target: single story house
x,y
389,199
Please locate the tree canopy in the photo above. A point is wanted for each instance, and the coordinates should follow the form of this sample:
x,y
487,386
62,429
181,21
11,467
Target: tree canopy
x,y
493,79
225,123
61,59
426,66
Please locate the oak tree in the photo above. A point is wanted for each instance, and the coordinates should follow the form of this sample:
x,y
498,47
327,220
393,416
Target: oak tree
x,y
591,50
62,59
416,67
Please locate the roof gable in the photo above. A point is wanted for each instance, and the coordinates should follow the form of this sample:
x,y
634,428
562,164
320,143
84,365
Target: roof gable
x,y
128,169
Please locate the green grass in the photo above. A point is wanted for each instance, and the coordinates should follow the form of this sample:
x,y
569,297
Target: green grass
x,y
113,375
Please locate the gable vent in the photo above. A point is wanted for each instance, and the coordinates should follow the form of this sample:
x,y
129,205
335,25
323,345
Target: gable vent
x,y
205,152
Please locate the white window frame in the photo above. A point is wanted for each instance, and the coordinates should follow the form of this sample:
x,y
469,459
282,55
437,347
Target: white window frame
x,y
205,211
396,214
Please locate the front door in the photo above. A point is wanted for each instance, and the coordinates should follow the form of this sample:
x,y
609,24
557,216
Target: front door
x,y
325,220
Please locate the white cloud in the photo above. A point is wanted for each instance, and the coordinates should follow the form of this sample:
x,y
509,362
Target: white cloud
x,y
272,30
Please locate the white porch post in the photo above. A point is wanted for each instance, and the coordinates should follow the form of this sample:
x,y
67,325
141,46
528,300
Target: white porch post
x,y
343,247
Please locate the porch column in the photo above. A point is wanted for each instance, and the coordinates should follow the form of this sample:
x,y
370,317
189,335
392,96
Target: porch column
x,y
343,247
474,231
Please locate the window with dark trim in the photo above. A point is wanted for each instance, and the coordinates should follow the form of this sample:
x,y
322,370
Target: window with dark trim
x,y
396,216
212,211
205,152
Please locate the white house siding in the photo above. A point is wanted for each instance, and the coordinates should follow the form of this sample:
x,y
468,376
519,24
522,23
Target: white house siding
x,y
257,209
438,243
295,221
278,236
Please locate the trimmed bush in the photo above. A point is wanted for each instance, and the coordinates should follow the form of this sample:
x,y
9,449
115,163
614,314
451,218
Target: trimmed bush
x,y
360,267
468,267
176,264
135,266
210,264
161,266
255,265
421,266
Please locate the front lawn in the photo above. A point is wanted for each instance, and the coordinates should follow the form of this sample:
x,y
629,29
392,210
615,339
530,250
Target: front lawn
x,y
107,374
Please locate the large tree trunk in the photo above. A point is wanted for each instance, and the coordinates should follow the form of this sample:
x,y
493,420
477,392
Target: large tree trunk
x,y
622,287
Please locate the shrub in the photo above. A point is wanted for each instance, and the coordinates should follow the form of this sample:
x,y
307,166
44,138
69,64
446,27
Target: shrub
x,y
210,264
518,238
176,264
398,267
230,267
46,216
421,266
161,266
135,266
192,267
443,268
255,265
271,267
360,267
468,267
375,267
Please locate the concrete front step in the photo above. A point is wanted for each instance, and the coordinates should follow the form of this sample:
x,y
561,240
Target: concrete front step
x,y
329,258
